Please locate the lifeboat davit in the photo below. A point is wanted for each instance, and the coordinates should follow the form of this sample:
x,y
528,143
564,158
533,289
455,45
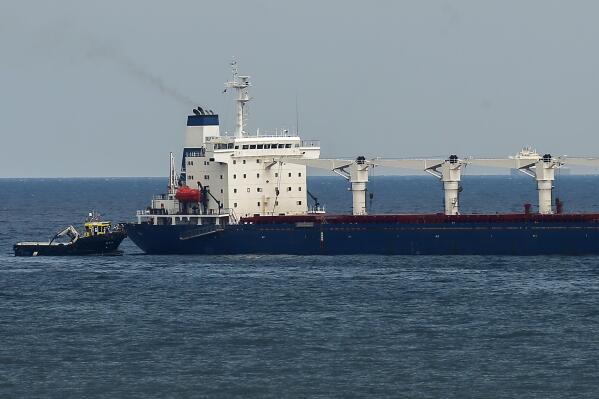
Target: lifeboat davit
x,y
186,194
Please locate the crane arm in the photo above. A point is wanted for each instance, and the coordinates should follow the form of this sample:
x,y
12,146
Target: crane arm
x,y
328,164
509,163
593,162
417,164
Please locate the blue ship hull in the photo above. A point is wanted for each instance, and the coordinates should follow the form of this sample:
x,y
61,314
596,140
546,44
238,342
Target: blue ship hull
x,y
445,236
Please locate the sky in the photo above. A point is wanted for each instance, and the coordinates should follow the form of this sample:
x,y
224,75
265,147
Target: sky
x,y
103,88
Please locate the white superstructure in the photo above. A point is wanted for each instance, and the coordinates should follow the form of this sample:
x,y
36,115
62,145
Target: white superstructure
x,y
239,175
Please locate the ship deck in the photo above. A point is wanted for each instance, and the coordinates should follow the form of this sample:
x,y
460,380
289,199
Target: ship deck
x,y
426,218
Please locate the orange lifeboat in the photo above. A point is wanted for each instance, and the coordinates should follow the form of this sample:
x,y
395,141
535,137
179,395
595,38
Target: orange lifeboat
x,y
186,194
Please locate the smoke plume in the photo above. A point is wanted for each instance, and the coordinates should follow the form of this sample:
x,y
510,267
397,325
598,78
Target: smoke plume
x,y
97,48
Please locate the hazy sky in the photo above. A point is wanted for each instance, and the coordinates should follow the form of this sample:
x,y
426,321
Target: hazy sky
x,y
100,88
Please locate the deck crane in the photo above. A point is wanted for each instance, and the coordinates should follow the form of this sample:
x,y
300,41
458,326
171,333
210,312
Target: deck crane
x,y
541,168
448,171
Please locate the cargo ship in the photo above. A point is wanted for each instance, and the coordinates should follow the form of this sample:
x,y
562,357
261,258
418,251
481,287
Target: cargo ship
x,y
246,193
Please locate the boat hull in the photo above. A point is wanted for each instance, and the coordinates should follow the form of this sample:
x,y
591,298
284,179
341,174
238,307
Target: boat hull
x,y
416,236
106,244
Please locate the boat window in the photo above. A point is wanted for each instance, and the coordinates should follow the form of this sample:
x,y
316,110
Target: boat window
x,y
221,177
259,189
248,189
234,176
287,145
252,146
276,175
299,188
258,203
230,145
288,188
207,177
299,174
258,175
245,147
244,161
281,145
236,147
257,160
235,190
235,205
299,202
234,162
289,174
260,146
266,146
244,175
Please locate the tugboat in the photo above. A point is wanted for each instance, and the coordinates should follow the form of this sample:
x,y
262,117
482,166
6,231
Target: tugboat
x,y
99,238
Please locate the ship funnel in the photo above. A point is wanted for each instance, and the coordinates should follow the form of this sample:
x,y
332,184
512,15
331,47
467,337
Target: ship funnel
x,y
200,125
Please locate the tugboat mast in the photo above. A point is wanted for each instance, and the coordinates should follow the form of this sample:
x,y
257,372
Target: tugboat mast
x,y
240,84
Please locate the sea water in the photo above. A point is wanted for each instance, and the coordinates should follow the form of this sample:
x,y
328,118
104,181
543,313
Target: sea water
x,y
140,326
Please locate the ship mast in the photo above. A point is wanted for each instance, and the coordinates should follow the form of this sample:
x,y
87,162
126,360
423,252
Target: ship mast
x,y
240,84
172,177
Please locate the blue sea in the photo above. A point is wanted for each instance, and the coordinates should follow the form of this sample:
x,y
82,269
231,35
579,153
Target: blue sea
x,y
140,326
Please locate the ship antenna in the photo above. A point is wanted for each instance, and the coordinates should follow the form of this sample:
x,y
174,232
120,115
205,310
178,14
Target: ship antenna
x,y
240,84
296,116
